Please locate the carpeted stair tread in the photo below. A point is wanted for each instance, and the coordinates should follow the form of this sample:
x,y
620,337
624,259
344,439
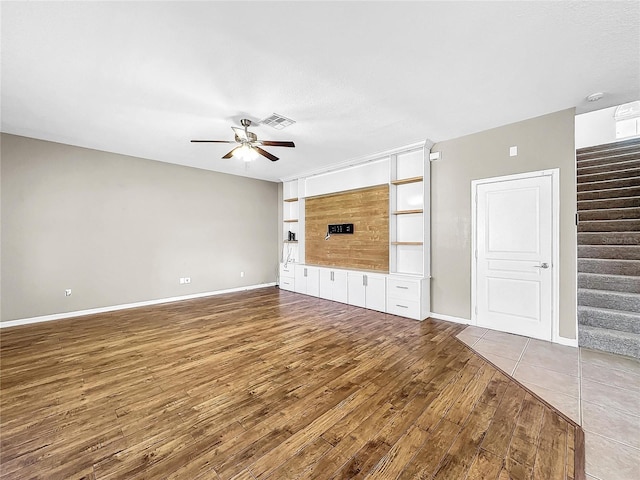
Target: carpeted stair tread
x,y
609,184
623,225
609,266
607,318
614,283
609,175
613,252
612,148
610,214
610,193
606,159
598,204
609,238
612,341
608,167
623,301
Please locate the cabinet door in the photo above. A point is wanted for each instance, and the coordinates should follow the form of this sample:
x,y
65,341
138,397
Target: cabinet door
x,y
325,287
301,279
313,281
356,289
376,293
340,286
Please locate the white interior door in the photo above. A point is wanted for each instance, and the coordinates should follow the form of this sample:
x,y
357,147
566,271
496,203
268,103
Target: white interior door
x,y
514,251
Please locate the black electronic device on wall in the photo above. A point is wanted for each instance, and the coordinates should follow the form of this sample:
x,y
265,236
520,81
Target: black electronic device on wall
x,y
340,228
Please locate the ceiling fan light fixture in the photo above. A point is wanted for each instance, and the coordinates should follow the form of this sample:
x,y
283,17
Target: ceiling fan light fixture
x,y
246,152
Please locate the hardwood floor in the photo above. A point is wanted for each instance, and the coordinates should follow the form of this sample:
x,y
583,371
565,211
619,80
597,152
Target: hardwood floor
x,y
266,384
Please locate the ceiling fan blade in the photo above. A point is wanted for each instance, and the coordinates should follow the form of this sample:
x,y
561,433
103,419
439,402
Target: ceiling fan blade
x,y
264,153
271,143
240,133
230,154
212,141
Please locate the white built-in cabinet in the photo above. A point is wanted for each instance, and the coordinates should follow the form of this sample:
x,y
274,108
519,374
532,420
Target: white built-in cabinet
x,y
307,280
333,285
408,296
405,289
367,290
287,277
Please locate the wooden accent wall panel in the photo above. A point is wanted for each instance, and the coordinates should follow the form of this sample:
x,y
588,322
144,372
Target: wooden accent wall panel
x,y
368,247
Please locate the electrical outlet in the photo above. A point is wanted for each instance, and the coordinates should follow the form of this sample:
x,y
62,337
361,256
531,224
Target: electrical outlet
x,y
67,292
187,279
241,274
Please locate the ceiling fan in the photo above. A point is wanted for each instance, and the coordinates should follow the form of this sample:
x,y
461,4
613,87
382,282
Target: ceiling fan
x,y
249,147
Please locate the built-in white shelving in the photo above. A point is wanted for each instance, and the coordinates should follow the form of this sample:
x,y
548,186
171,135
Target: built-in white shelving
x,y
292,221
405,289
408,226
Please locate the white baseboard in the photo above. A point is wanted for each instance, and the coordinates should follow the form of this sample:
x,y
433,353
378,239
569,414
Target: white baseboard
x,y
91,311
569,342
450,318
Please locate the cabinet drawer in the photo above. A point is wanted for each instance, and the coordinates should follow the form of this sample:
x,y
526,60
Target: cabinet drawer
x,y
403,289
288,271
403,308
287,283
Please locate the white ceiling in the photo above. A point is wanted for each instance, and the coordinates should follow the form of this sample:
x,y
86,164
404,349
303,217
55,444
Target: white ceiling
x,y
143,78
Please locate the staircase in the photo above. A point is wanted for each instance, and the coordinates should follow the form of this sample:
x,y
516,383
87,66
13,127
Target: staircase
x,y
609,247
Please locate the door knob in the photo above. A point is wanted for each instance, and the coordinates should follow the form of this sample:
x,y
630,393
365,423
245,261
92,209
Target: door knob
x,y
543,265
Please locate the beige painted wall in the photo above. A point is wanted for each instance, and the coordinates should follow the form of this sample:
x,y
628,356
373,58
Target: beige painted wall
x,y
544,142
118,229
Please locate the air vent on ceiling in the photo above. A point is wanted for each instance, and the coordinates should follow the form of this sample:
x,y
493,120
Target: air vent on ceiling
x,y
277,121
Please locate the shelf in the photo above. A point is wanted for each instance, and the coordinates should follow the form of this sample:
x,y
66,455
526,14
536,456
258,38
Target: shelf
x,y
403,181
407,212
291,220
406,243
291,199
290,241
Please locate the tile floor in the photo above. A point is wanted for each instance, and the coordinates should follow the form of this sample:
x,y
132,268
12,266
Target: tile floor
x,y
597,390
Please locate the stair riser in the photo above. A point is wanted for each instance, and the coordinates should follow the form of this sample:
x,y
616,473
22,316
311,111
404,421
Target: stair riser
x,y
624,284
612,267
613,252
612,300
611,167
612,193
600,177
609,184
624,238
610,226
620,346
605,158
610,320
610,214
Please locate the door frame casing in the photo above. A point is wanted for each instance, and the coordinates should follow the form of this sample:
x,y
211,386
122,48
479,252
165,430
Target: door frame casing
x,y
554,173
